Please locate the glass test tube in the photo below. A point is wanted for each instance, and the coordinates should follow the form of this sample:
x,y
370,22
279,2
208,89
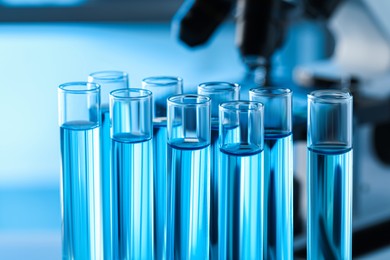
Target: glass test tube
x,y
240,219
162,87
109,81
79,121
278,171
132,170
219,92
189,170
329,174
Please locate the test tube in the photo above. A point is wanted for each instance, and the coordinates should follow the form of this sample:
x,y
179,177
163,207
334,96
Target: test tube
x,y
329,175
109,81
79,121
189,169
162,87
240,219
219,92
132,170
278,171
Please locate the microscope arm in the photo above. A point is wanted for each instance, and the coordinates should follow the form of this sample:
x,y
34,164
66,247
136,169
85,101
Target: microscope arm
x,y
319,9
261,25
197,20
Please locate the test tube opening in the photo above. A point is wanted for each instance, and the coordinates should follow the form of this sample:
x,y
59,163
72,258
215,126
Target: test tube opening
x,y
219,92
108,76
330,120
109,81
277,109
162,87
241,127
130,115
79,105
189,121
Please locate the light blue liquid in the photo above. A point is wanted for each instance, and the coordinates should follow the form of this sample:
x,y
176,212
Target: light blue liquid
x,y
160,190
132,168
214,170
105,139
188,233
82,236
108,220
278,197
241,204
329,203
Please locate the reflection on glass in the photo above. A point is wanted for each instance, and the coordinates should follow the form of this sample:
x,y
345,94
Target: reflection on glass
x,y
278,171
162,87
79,120
240,200
189,170
132,170
329,175
108,81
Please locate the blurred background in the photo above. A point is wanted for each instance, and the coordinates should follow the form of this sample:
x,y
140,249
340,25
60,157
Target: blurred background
x,y
301,44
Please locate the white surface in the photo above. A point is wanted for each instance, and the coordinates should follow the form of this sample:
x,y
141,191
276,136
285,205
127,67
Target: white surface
x,y
382,254
361,46
31,246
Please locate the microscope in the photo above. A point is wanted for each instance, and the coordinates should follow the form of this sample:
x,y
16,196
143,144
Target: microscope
x,y
261,25
359,33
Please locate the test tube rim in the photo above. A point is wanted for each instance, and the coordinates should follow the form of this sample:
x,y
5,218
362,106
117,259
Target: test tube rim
x,y
330,96
271,91
119,75
148,94
205,100
94,87
229,106
153,81
219,86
